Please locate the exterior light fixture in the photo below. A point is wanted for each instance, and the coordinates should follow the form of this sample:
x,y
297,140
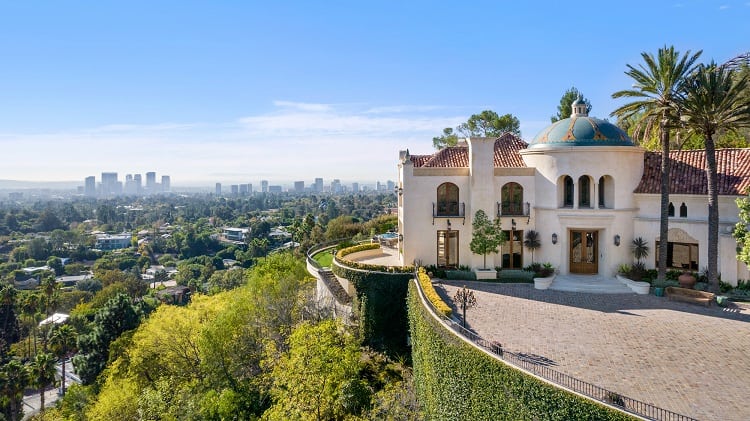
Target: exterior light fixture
x,y
554,238
401,237
400,190
513,224
448,221
617,240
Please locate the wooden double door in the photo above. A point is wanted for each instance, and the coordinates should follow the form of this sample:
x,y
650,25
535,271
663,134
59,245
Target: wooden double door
x,y
584,251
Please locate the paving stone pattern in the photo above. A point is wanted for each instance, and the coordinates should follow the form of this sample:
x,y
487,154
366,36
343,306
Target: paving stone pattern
x,y
687,358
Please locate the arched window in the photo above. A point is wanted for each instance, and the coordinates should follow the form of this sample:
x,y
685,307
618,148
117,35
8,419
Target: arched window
x,y
602,189
584,192
447,199
683,210
512,199
670,209
568,192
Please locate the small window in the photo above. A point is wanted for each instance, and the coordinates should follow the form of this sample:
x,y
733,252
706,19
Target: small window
x,y
683,210
568,192
601,192
670,209
584,192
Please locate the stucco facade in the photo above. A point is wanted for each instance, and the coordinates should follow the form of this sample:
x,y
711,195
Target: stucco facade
x,y
581,185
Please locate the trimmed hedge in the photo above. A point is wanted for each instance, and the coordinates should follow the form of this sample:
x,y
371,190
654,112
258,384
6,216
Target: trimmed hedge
x,y
381,305
364,266
432,295
455,381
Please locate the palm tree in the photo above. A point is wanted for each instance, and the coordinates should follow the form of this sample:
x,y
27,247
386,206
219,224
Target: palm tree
x,y
14,377
42,372
714,103
63,342
532,241
658,87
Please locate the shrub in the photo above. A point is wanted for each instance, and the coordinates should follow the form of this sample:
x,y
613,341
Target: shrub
x,y
432,295
365,266
461,275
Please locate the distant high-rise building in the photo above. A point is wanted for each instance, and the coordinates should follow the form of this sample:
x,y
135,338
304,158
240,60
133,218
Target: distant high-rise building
x,y
274,189
250,188
218,189
355,187
130,188
243,189
336,186
318,185
166,183
235,188
378,186
151,182
110,186
299,186
89,187
138,182
264,186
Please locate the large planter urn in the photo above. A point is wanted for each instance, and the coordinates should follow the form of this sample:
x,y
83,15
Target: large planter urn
x,y
686,280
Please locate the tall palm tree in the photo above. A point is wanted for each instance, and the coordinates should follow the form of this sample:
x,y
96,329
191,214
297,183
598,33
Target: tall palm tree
x,y
63,342
658,87
14,377
714,103
42,373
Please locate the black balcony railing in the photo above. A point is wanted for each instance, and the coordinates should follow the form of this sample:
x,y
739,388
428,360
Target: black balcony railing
x,y
538,368
513,208
448,210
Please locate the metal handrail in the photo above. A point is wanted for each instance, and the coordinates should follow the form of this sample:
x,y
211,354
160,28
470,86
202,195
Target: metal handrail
x,y
590,390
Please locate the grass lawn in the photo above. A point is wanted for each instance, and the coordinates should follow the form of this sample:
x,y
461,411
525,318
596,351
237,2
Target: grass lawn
x,y
324,258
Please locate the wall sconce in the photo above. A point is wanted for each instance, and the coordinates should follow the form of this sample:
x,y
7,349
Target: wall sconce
x,y
554,238
401,238
400,190
513,224
448,221
617,240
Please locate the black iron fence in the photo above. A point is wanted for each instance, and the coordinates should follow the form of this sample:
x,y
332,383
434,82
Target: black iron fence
x,y
533,365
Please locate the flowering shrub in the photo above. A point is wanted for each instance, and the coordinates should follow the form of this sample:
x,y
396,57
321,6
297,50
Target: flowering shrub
x,y
431,294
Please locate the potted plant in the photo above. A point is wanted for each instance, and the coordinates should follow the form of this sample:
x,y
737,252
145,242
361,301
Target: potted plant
x,y
487,236
544,277
687,280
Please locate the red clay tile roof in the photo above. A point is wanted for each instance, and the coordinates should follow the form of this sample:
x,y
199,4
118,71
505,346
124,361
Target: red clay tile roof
x,y
688,172
506,151
506,155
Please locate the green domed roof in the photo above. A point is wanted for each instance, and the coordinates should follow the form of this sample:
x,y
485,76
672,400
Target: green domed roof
x,y
582,130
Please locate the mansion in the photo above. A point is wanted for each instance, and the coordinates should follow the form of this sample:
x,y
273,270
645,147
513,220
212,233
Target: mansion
x,y
582,185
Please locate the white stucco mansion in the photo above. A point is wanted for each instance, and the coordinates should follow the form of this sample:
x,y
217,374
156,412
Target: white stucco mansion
x,y
582,184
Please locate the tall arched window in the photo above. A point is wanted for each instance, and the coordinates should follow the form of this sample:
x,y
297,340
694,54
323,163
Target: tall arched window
x,y
447,199
568,192
512,199
602,189
584,192
683,210
670,209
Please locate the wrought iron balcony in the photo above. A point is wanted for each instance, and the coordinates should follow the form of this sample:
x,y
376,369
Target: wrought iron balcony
x,y
513,209
448,210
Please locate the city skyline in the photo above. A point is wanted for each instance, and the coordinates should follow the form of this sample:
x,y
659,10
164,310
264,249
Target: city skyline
x,y
227,92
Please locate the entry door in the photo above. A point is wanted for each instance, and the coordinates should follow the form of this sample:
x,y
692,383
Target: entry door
x,y
584,249
447,249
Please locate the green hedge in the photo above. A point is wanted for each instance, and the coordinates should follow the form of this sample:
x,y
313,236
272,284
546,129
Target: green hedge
x,y
364,266
455,381
381,305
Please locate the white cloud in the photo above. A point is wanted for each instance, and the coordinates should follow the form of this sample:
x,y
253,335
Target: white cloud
x,y
295,141
724,7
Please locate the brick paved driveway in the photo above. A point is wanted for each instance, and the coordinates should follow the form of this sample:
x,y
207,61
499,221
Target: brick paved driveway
x,y
683,357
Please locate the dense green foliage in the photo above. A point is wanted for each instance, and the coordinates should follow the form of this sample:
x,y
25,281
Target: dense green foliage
x,y
485,124
565,109
381,306
431,294
455,381
486,235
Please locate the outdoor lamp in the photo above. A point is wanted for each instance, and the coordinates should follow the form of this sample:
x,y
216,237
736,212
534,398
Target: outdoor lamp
x,y
513,224
554,238
449,224
617,240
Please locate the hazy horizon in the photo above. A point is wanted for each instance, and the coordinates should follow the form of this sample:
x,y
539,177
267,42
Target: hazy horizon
x,y
237,92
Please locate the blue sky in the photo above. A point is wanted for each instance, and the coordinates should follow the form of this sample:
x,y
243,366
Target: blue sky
x,y
241,91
